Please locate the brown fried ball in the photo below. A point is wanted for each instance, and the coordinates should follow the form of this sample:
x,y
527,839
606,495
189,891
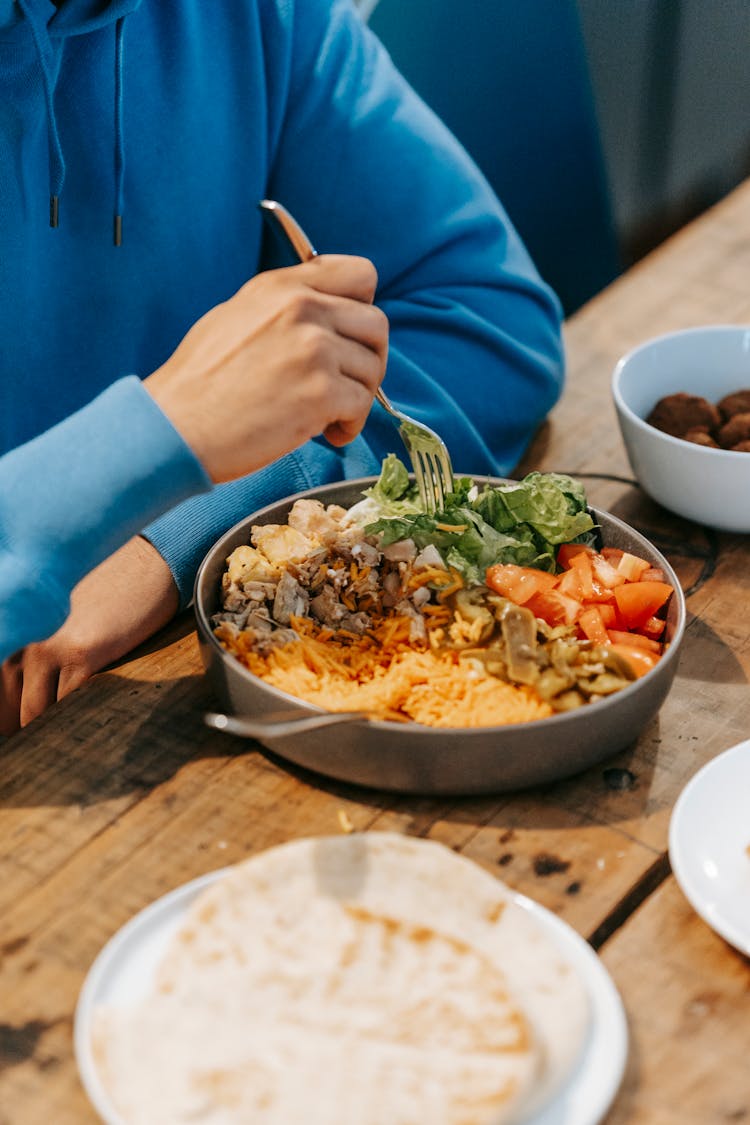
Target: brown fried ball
x,y
741,447
736,403
678,413
700,436
734,431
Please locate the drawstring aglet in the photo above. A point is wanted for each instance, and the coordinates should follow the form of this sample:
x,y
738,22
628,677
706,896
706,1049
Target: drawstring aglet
x,y
118,230
54,210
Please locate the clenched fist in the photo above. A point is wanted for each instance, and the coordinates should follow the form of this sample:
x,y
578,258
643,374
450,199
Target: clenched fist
x,y
295,353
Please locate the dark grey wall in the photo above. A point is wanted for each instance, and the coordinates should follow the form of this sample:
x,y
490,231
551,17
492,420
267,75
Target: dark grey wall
x,y
672,86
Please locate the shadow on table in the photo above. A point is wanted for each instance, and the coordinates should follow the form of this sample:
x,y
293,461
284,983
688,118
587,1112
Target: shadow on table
x,y
122,742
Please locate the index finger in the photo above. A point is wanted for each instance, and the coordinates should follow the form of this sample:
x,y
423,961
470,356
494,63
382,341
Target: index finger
x,y
341,275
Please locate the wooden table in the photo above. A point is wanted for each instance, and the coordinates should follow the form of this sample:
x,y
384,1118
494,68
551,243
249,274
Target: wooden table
x,y
120,793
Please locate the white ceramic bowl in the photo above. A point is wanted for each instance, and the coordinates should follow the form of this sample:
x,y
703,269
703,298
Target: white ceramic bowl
x,y
709,486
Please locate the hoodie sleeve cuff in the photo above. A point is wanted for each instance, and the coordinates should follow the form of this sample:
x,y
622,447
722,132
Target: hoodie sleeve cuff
x,y
184,535
92,482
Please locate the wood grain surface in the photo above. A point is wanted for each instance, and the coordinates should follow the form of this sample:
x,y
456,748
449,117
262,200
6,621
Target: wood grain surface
x,y
120,793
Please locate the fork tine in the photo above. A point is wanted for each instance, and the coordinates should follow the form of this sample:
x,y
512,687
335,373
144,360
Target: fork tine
x,y
441,474
426,493
432,468
435,482
437,475
444,472
437,490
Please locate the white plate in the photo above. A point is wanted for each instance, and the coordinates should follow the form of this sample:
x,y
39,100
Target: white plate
x,y
709,837
124,971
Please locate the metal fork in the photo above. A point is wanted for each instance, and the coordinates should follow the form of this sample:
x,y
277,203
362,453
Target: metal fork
x,y
427,451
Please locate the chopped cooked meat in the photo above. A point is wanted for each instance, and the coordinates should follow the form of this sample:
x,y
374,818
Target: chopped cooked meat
x,y
421,596
741,447
282,544
404,550
313,520
309,572
391,588
734,431
278,638
417,625
366,554
429,556
700,436
246,564
676,414
290,601
736,403
327,608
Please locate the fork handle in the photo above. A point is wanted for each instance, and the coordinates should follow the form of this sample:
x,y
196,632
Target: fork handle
x,y
283,221
305,250
386,403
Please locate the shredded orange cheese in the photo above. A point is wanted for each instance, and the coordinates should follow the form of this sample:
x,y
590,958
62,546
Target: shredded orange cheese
x,y
383,672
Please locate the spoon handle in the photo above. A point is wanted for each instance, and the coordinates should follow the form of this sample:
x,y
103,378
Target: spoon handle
x,y
279,725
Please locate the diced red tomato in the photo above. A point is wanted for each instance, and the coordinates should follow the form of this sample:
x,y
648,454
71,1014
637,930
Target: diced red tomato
x,y
617,637
631,566
581,563
570,583
638,601
613,597
653,628
592,626
653,574
608,614
519,583
568,551
639,659
554,608
600,594
605,573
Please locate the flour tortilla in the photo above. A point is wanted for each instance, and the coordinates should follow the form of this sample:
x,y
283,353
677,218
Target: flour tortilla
x,y
361,979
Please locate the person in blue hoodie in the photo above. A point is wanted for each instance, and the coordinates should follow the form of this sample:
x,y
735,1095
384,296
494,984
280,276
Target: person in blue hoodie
x,y
136,138
71,496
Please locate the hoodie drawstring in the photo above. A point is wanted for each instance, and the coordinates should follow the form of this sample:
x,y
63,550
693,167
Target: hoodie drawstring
x,y
56,159
119,142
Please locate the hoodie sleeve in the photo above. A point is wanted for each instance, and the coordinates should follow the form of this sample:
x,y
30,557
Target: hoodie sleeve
x,y
73,495
367,168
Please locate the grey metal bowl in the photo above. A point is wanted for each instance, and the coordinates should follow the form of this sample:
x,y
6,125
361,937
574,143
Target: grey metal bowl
x,y
408,757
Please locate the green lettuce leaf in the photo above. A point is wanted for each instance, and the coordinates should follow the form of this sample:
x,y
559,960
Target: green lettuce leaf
x,y
522,522
393,492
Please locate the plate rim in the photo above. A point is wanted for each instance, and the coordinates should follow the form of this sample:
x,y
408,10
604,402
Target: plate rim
x,y
677,850
604,1075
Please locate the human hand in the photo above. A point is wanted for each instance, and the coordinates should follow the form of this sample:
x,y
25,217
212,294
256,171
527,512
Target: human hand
x,y
114,608
295,353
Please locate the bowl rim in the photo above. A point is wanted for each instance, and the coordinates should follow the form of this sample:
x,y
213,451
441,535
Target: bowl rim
x,y
641,424
548,723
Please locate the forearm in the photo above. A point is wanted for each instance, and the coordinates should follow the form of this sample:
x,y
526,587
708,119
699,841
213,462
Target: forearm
x,y
72,496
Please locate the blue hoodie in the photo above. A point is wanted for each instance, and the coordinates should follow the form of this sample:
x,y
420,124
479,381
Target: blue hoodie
x,y
58,519
159,124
